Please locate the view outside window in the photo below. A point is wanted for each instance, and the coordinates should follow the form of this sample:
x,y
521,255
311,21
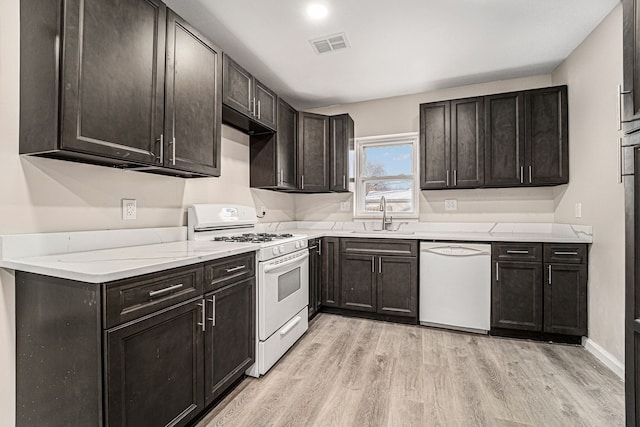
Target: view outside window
x,y
387,169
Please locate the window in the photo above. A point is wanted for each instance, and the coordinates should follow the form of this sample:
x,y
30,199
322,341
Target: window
x,y
387,166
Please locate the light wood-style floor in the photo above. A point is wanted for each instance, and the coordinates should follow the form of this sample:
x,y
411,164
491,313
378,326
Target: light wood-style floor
x,y
355,372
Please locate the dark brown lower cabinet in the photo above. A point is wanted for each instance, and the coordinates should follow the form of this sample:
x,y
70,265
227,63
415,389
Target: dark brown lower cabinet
x,y
358,279
540,288
517,296
83,358
229,336
379,276
330,274
315,276
154,369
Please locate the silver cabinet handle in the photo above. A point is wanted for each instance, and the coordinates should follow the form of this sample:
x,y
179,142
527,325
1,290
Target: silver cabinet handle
x,y
231,270
517,252
379,265
373,264
213,310
620,160
620,107
165,290
302,182
173,151
258,109
320,247
497,272
202,308
281,176
447,177
344,182
455,177
530,173
161,157
521,174
549,273
565,253
253,108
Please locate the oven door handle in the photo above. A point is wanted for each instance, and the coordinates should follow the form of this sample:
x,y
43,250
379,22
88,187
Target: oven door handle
x,y
297,260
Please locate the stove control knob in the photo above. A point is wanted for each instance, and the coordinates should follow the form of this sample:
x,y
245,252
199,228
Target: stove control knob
x,y
297,245
275,250
281,249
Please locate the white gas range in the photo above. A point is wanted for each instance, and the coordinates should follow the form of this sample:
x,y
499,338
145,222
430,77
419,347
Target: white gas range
x,y
283,276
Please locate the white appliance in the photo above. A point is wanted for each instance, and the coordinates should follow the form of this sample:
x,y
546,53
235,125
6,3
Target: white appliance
x,y
282,278
455,286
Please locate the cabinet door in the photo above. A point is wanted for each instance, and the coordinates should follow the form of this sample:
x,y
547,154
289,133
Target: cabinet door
x,y
287,145
358,282
193,111
342,134
314,276
154,369
547,146
504,139
266,105
229,336
565,299
313,153
435,145
467,143
113,78
237,90
330,274
516,296
631,66
397,286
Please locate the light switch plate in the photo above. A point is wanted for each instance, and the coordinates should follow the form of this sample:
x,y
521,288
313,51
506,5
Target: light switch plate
x,y
128,209
451,205
578,210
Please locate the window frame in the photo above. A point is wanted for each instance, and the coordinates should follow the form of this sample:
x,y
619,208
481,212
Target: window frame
x,y
358,190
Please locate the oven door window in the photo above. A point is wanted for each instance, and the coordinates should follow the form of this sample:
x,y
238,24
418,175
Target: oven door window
x,y
288,283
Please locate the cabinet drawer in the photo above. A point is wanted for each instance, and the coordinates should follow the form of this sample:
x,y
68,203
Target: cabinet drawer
x,y
133,298
387,247
224,271
523,252
565,253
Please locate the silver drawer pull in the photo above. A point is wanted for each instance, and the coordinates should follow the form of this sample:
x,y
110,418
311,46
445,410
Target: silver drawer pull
x,y
514,252
565,253
549,273
165,290
212,319
231,270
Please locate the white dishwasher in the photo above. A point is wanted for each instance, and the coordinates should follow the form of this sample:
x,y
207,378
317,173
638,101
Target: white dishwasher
x,y
455,286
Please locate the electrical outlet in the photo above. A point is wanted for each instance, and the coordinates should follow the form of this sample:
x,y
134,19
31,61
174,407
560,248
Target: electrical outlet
x,y
578,210
451,205
128,209
345,206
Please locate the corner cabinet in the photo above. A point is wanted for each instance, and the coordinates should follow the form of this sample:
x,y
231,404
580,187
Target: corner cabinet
x,y
342,131
248,104
379,276
313,153
540,288
150,350
100,97
527,138
452,144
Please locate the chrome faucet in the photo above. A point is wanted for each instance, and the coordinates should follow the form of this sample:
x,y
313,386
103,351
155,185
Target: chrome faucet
x,y
383,208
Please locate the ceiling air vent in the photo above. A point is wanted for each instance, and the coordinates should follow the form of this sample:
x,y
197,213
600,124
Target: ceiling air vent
x,y
330,43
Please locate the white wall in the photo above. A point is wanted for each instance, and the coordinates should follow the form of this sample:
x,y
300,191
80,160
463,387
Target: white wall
x,y
593,71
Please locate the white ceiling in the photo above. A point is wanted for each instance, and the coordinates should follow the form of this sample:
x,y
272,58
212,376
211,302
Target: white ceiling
x,y
397,47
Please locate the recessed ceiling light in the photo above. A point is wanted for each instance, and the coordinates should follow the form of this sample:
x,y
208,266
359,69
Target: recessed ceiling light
x,y
317,11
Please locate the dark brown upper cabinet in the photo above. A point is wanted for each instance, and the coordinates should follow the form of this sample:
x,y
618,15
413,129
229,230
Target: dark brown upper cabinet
x,y
273,156
630,90
93,87
193,113
452,144
248,105
313,153
527,138
342,130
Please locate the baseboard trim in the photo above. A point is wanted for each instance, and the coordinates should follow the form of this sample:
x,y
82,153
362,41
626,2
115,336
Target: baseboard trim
x,y
604,356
